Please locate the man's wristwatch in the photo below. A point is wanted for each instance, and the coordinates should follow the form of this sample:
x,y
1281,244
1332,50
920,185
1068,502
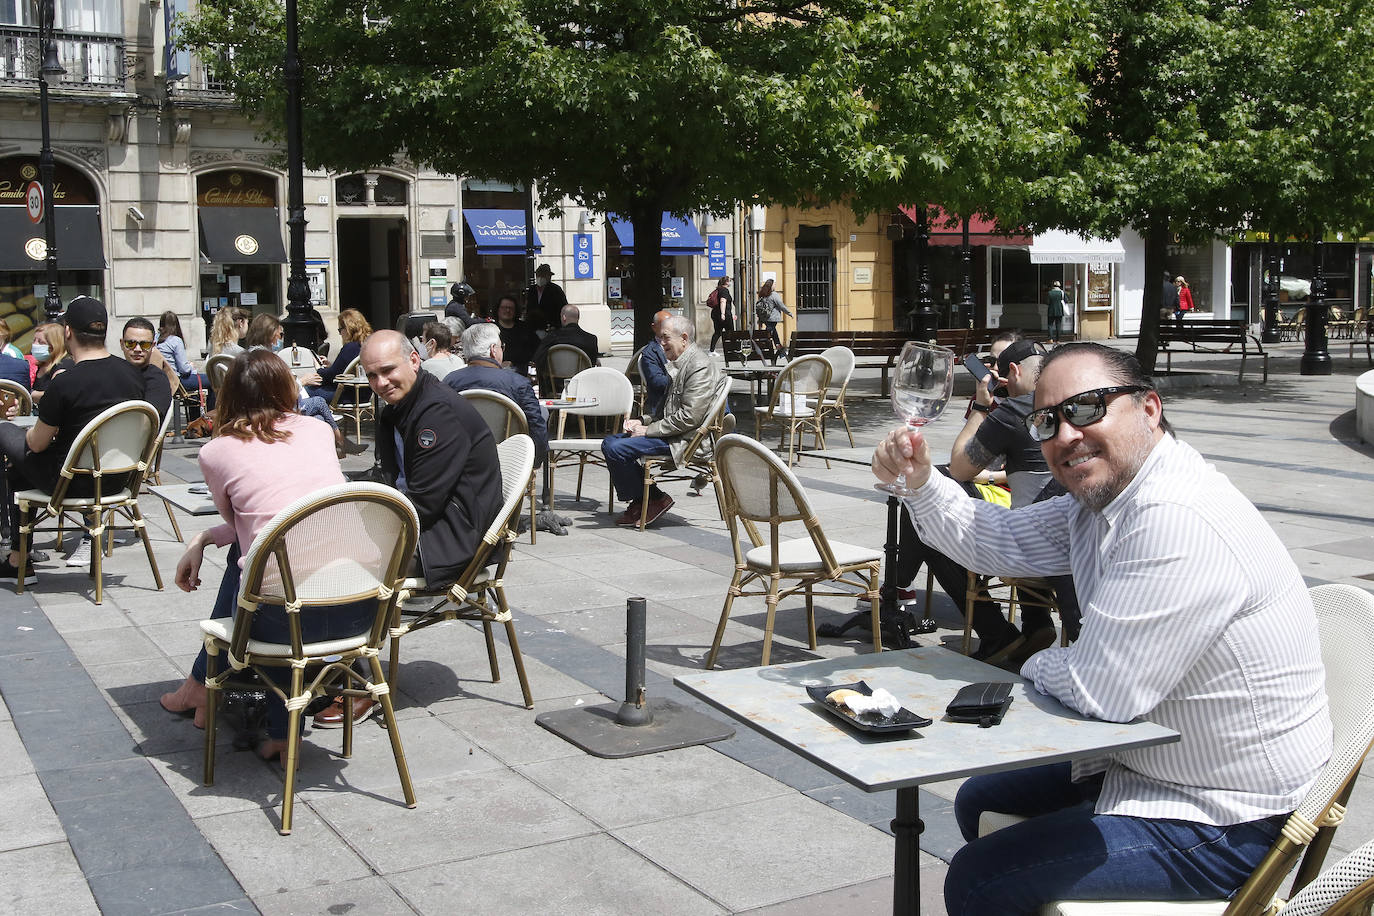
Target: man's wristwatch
x,y
981,408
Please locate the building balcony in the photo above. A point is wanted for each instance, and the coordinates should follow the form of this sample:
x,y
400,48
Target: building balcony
x,y
92,62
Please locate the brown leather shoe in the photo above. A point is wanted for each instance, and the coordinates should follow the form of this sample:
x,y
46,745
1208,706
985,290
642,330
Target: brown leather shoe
x,y
364,708
631,514
657,507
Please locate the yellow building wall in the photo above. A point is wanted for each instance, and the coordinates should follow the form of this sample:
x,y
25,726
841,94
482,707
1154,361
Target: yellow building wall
x,y
863,264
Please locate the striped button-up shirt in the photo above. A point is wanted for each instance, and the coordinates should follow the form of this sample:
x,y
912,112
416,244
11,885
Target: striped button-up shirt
x,y
1194,617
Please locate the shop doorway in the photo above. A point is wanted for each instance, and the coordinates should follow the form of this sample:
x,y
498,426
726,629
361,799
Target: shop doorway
x,y
815,278
374,268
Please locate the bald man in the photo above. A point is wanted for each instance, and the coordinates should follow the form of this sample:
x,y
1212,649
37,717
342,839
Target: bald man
x,y
570,333
438,451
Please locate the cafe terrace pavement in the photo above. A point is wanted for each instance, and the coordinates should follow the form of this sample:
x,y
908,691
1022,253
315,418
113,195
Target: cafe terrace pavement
x,y
100,788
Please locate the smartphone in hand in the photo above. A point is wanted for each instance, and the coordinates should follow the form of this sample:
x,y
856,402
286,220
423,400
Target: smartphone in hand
x,y
975,365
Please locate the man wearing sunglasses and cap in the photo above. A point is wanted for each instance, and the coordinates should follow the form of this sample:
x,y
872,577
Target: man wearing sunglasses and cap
x,y
1194,617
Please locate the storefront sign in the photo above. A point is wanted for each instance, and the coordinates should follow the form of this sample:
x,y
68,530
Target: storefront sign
x,y
715,255
583,268
235,188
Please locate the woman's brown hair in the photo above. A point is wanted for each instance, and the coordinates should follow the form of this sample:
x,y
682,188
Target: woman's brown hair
x,y
353,326
766,289
169,325
261,330
258,391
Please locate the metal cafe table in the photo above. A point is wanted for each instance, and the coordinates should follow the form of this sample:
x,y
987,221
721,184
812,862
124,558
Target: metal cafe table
x,y
1036,730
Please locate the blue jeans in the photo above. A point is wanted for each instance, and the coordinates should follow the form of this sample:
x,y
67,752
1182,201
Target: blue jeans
x,y
1066,852
622,453
270,624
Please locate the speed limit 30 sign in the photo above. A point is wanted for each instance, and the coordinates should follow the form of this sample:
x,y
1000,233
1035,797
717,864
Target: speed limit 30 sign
x,y
34,195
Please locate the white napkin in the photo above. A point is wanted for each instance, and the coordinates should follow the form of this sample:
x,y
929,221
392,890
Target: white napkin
x,y
880,701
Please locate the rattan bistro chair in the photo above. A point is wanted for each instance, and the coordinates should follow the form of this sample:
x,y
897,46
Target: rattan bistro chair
x,y
15,395
841,371
1345,622
353,399
807,377
216,368
1011,592
760,490
505,419
342,544
479,593
698,461
614,400
1344,889
560,363
117,443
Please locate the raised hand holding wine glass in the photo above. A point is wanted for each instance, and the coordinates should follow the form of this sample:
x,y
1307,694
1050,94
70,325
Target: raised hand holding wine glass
x,y
922,381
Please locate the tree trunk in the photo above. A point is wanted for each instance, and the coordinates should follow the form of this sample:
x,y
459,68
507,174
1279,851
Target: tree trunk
x,y
647,288
1156,245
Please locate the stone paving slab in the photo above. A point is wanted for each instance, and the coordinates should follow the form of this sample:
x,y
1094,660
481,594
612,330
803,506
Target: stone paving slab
x,y
511,819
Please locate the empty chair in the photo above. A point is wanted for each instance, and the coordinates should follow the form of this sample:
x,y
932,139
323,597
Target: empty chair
x,y
801,383
758,490
561,362
614,400
353,400
841,371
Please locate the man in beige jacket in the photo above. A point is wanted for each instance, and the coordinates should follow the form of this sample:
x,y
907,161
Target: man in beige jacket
x,y
684,410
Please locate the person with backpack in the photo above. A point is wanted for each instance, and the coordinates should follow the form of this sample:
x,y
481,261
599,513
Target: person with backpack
x,y
769,311
722,306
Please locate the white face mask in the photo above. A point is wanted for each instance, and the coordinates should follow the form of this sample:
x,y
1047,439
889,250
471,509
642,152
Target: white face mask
x,y
40,352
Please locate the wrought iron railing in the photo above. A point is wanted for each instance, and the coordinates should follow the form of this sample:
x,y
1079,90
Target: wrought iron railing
x,y
91,61
204,76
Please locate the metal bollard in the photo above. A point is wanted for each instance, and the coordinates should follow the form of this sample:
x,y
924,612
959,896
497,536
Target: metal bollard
x,y
635,710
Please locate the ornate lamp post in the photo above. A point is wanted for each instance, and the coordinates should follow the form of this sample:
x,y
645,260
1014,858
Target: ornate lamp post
x,y
299,329
51,69
923,319
1270,294
966,303
1315,358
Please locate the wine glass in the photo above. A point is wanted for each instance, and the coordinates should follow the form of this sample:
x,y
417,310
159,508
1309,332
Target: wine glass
x,y
922,381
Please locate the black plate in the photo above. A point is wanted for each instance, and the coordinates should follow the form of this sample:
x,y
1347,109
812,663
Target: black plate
x,y
904,720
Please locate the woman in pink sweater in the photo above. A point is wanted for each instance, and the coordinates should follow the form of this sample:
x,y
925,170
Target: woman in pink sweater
x,y
263,457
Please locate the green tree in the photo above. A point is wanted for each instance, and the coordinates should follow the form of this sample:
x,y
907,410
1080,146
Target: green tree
x,y
1207,116
641,106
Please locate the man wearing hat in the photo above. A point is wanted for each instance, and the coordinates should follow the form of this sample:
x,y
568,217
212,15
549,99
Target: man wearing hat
x,y
996,428
544,300
97,381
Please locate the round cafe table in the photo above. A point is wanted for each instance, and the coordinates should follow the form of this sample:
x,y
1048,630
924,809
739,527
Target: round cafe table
x,y
548,520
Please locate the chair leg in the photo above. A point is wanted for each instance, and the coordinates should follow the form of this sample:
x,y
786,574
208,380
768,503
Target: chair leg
x,y
844,415
581,469
171,517
810,616
397,751
25,535
97,557
147,545
519,661
534,511
491,652
772,603
875,606
293,750
394,663
644,500
975,588
211,708
724,616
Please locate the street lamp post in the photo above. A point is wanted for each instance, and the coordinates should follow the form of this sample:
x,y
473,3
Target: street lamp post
x,y
966,303
51,68
299,329
1270,293
1315,358
924,318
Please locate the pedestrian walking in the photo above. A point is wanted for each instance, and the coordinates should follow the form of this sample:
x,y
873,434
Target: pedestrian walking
x,y
769,311
1055,310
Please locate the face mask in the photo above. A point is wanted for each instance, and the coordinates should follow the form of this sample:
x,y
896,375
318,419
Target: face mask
x,y
276,346
40,352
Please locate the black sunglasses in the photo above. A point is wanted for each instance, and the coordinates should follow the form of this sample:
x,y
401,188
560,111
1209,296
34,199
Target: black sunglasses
x,y
1083,409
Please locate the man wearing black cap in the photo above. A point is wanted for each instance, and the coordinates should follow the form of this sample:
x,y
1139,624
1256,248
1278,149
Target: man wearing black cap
x,y
97,381
996,428
544,300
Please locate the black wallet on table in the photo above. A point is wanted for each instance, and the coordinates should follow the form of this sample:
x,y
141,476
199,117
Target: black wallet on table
x,y
983,704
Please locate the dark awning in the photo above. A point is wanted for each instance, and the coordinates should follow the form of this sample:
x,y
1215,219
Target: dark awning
x,y
946,229
499,231
22,245
679,236
241,235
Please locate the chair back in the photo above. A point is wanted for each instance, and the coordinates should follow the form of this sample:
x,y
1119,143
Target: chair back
x,y
116,442
345,543
842,362
562,362
516,457
216,368
502,415
1345,623
615,397
353,393
759,487
155,448
802,378
16,395
1344,889
701,446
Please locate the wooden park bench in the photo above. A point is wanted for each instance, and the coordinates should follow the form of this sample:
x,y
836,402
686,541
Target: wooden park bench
x,y
1210,337
872,349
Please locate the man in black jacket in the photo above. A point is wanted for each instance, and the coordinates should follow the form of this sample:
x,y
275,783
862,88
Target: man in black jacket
x,y
544,300
570,333
447,463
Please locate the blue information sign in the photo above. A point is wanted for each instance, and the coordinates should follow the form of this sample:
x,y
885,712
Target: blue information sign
x,y
715,255
583,268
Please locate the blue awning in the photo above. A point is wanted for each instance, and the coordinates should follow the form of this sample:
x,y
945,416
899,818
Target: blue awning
x,y
679,236
499,231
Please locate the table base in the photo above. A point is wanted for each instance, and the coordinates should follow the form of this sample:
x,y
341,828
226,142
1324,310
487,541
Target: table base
x,y
907,827
595,730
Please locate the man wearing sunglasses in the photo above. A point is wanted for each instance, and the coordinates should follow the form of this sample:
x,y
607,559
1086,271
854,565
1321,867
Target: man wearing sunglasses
x,y
137,342
1194,616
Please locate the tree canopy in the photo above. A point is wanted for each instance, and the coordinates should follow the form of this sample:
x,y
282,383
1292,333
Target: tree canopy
x,y
641,106
1207,116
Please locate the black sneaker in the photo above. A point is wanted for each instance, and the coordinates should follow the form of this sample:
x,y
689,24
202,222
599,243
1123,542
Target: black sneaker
x,y
8,573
